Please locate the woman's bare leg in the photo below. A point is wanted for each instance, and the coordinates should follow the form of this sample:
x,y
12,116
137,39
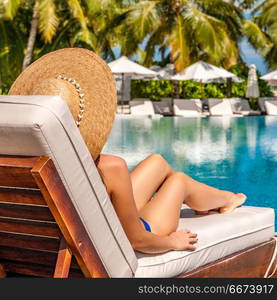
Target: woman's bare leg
x,y
117,179
163,211
174,188
147,177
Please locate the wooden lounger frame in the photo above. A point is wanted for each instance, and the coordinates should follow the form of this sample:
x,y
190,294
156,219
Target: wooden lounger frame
x,y
42,235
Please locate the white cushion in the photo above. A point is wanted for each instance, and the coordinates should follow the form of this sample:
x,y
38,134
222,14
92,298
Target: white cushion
x,y
220,107
219,235
262,100
43,125
142,107
271,107
186,108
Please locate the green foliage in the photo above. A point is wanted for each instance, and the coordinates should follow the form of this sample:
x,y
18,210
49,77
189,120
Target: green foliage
x,y
153,89
157,89
190,30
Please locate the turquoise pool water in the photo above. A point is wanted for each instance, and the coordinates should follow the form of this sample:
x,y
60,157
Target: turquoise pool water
x,y
237,154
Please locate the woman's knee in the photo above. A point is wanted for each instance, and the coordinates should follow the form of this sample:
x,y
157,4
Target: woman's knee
x,y
156,156
158,159
112,164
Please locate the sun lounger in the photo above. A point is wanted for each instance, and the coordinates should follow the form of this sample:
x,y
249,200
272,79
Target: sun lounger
x,y
56,218
241,106
220,107
163,107
187,108
271,107
262,100
142,107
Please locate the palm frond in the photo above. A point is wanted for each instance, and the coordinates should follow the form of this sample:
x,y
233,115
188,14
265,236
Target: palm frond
x,y
264,5
10,7
144,18
271,57
180,52
203,27
48,20
256,37
156,39
268,16
78,13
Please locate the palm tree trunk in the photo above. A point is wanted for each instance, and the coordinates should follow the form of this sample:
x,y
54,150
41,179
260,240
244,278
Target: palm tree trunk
x,y
32,37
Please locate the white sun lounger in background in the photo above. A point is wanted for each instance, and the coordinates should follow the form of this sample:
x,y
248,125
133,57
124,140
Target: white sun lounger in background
x,y
242,107
187,108
142,106
163,107
220,107
262,100
271,107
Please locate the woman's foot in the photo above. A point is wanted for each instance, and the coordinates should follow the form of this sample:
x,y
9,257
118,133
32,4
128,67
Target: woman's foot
x,y
206,212
237,200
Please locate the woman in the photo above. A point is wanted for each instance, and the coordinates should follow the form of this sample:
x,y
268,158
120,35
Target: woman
x,y
148,201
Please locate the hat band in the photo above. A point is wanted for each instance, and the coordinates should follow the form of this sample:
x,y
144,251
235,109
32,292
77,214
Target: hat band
x,y
81,97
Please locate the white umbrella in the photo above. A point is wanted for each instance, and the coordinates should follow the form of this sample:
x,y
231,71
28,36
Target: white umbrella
x,y
270,76
125,66
203,72
252,83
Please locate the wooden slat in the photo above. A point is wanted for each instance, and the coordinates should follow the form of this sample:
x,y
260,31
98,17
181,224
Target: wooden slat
x,y
2,272
34,270
28,269
30,256
66,216
63,261
29,242
16,177
45,258
19,161
21,196
29,227
15,171
29,212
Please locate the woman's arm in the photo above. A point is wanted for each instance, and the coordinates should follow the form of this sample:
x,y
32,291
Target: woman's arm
x,y
152,243
116,176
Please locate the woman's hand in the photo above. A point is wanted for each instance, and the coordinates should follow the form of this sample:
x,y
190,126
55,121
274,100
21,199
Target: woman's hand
x,y
183,240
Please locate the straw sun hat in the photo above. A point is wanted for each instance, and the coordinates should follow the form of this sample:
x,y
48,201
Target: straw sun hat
x,y
86,84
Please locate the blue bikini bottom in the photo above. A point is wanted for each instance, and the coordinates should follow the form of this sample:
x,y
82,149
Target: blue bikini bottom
x,y
146,225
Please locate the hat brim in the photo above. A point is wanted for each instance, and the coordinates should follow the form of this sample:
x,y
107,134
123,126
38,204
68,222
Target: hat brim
x,y
96,83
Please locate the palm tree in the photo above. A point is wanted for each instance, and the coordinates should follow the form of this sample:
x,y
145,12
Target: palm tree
x,y
104,19
45,19
266,19
191,30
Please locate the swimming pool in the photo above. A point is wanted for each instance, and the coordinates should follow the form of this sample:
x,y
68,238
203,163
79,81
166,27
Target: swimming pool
x,y
236,154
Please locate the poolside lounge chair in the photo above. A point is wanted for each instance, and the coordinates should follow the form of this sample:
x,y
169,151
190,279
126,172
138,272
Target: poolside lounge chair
x,y
262,100
56,218
241,106
163,107
140,106
220,107
271,107
187,108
